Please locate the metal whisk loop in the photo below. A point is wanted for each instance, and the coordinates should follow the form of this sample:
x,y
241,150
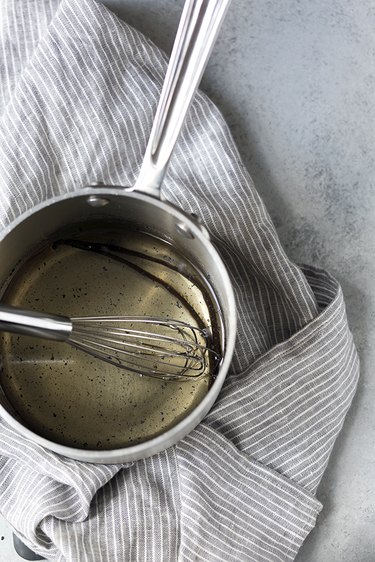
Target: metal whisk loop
x,y
168,349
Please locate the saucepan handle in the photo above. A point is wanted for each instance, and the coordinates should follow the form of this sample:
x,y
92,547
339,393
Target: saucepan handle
x,y
199,25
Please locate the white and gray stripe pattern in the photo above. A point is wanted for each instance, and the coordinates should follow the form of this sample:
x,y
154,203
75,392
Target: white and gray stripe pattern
x,y
79,90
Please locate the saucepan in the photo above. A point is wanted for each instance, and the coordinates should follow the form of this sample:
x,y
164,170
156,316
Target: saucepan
x,y
140,208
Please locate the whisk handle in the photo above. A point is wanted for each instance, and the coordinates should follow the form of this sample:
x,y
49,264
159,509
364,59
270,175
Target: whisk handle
x,y
31,323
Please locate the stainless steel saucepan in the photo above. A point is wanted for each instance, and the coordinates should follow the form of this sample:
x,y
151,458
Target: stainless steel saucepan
x,y
141,207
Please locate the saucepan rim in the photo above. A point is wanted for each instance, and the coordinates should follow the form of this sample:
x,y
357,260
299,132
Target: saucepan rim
x,y
186,425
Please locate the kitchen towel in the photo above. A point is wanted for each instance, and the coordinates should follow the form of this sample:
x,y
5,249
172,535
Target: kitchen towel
x,y
79,91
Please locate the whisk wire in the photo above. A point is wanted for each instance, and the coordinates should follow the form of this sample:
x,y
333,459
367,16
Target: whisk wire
x,y
183,343
151,355
121,341
179,372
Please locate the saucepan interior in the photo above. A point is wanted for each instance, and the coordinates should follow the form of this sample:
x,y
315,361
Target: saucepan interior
x,y
153,258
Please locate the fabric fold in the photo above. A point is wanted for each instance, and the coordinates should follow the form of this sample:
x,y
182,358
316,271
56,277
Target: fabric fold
x,y
287,407
235,508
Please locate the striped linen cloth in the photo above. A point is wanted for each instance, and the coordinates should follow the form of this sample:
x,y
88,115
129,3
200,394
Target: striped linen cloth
x,y
79,90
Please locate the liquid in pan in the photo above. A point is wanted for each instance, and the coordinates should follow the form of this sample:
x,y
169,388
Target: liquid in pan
x,y
77,400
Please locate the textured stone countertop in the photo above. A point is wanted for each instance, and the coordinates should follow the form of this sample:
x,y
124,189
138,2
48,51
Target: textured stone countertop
x,y
295,80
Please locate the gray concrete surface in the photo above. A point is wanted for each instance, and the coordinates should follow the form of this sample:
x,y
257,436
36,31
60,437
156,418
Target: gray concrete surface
x,y
295,80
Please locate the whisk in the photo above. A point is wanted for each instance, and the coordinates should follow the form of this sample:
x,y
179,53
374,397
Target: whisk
x,y
149,346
